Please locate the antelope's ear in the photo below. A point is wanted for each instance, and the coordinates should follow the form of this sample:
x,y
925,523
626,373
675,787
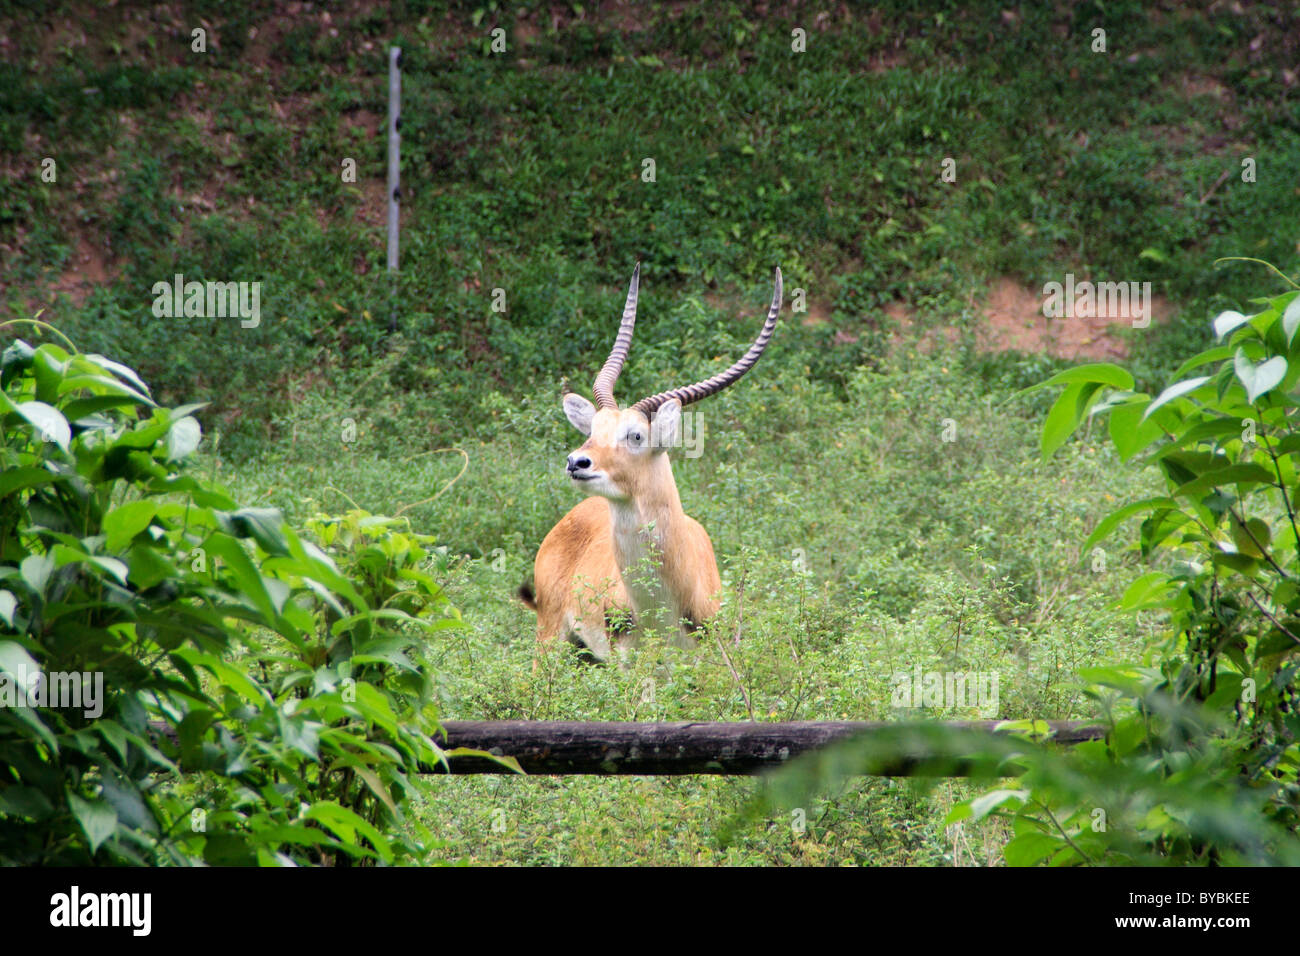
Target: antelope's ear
x,y
666,427
580,412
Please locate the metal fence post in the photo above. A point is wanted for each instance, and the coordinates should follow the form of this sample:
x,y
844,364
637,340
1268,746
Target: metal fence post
x,y
394,173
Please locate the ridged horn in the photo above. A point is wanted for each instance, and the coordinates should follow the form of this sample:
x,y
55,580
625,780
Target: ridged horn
x,y
711,386
603,387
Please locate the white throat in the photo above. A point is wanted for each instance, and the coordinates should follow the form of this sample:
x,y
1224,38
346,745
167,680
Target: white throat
x,y
639,550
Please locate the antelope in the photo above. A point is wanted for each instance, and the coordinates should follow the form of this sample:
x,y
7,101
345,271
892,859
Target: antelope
x,y
629,548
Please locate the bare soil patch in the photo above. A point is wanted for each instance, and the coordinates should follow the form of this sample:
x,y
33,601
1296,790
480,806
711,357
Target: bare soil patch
x,y
1014,321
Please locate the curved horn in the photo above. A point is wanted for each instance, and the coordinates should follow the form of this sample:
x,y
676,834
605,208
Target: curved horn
x,y
711,386
603,387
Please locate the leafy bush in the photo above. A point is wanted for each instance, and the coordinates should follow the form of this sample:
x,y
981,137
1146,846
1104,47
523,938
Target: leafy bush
x,y
232,692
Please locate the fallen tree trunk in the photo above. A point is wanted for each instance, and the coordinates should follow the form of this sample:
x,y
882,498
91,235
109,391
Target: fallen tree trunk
x,y
561,747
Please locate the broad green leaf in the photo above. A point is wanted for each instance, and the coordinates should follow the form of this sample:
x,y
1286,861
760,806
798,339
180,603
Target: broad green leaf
x,y
960,811
143,435
1175,391
986,803
302,735
1216,354
48,421
147,566
246,574
1218,430
98,819
1258,379
1183,465
322,568
1159,527
101,385
1263,321
124,522
1116,399
374,785
1115,518
1065,416
346,825
1285,593
1252,538
326,595
1273,643
48,371
1225,322
387,614
1242,563
375,706
112,565
227,674
1288,445
1104,373
205,497
182,410
182,438
121,371
25,802
263,525
113,733
36,570
26,477
8,604
1247,474
228,849
79,409
15,359
1030,849
1291,319
32,718
16,660
1228,691
1130,431
1148,591
128,803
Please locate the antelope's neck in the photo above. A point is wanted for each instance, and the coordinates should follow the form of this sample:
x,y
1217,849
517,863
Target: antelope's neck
x,y
647,530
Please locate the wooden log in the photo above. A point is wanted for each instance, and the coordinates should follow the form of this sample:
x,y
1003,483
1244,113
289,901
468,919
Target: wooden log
x,y
561,747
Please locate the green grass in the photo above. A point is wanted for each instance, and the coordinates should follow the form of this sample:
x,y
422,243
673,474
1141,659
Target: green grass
x,y
521,172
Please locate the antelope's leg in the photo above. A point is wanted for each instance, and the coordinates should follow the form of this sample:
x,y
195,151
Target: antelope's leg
x,y
588,633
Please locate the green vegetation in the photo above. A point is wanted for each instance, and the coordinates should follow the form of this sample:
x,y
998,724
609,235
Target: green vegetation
x,y
1219,706
1200,760
522,171
876,497
172,695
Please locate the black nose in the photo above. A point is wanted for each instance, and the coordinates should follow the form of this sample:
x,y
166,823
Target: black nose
x,y
579,462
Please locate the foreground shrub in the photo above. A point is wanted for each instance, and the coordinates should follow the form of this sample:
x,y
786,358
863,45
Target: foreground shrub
x,y
183,680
